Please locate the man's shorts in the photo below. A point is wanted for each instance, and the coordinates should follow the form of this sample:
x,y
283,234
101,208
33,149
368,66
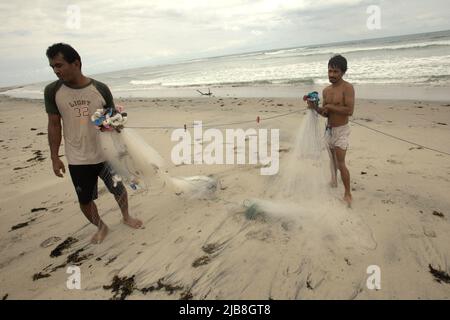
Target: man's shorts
x,y
338,136
85,177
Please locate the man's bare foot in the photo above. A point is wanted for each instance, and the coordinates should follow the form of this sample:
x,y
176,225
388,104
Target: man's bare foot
x,y
100,234
348,199
333,184
132,222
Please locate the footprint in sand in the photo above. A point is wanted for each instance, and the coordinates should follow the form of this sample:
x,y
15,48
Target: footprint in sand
x,y
212,248
429,233
49,242
394,161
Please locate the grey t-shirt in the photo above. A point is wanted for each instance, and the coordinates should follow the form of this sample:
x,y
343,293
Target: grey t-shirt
x,y
76,106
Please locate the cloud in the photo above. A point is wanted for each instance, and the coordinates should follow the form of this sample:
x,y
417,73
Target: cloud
x,y
123,34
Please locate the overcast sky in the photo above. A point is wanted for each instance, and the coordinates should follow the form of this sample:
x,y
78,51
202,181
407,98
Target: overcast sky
x,y
111,36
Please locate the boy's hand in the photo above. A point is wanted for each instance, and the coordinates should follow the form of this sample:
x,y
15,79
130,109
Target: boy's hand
x,y
311,105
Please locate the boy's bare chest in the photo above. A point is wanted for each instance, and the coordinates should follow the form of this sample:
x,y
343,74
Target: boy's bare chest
x,y
334,96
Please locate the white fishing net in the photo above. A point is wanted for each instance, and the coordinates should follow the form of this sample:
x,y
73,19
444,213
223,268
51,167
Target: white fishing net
x,y
137,164
301,194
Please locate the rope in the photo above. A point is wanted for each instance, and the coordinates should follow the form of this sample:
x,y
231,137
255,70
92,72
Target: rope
x,y
261,119
400,139
292,112
220,124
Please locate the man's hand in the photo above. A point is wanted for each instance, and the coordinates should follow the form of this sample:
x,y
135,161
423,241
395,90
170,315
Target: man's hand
x,y
58,166
311,105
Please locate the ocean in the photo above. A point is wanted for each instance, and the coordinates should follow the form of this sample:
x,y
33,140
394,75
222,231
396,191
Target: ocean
x,y
411,61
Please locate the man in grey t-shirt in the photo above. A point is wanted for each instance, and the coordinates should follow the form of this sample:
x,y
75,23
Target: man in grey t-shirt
x,y
73,98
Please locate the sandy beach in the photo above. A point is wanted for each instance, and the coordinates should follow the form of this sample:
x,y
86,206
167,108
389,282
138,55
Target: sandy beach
x,y
207,248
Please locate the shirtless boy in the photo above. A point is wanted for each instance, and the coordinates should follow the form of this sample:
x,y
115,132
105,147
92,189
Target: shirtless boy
x,y
338,104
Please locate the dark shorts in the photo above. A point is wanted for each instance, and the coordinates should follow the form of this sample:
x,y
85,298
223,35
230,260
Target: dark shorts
x,y
85,177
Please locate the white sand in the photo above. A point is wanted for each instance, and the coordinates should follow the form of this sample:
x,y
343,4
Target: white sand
x,y
323,253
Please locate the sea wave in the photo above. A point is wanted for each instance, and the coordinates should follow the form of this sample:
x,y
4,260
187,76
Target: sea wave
x,y
305,52
145,83
439,78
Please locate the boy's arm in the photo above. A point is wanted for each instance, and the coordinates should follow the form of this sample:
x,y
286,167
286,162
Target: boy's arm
x,y
322,111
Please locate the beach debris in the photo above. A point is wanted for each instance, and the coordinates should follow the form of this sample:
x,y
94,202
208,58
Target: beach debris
x,y
111,260
41,134
38,156
46,268
75,257
62,246
186,295
363,172
49,242
438,214
121,287
20,168
5,296
72,259
40,275
201,261
253,211
21,225
38,209
209,93
441,123
169,288
439,275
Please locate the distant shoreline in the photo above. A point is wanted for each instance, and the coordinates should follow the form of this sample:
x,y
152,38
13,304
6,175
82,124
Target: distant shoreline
x,y
375,91
4,89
